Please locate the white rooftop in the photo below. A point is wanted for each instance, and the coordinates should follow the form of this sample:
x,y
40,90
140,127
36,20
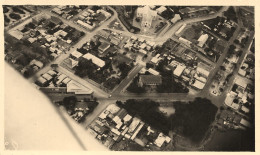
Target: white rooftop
x,y
41,80
152,71
199,84
47,76
160,140
76,54
94,59
202,39
245,123
134,124
77,88
127,118
241,82
113,108
178,71
203,69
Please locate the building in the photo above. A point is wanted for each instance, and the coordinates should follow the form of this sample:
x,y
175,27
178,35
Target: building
x,y
41,81
54,55
177,33
127,118
38,18
229,101
55,20
75,55
51,72
152,71
185,41
245,123
134,125
103,47
66,80
161,9
199,85
17,34
161,139
178,70
60,77
176,18
95,60
241,82
115,40
147,15
118,122
105,13
37,63
203,69
86,25
112,108
200,78
47,76
143,45
76,88
189,10
72,63
103,33
141,124
128,10
143,51
156,59
150,80
202,40
57,11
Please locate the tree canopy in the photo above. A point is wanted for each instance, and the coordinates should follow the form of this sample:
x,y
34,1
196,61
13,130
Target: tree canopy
x,y
190,119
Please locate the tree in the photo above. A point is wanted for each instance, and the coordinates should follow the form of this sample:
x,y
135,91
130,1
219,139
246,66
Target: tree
x,y
5,9
134,87
239,53
119,103
85,67
145,56
15,16
235,100
231,48
54,66
222,68
6,19
124,68
236,41
149,65
233,29
161,64
69,103
92,105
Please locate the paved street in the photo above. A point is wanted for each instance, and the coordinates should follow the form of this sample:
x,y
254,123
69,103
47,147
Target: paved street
x,y
128,79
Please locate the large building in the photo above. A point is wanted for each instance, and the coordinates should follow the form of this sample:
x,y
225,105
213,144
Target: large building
x,y
100,63
150,80
202,40
147,15
75,55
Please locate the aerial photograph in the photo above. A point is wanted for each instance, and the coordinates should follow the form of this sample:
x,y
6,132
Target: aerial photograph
x,y
141,77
